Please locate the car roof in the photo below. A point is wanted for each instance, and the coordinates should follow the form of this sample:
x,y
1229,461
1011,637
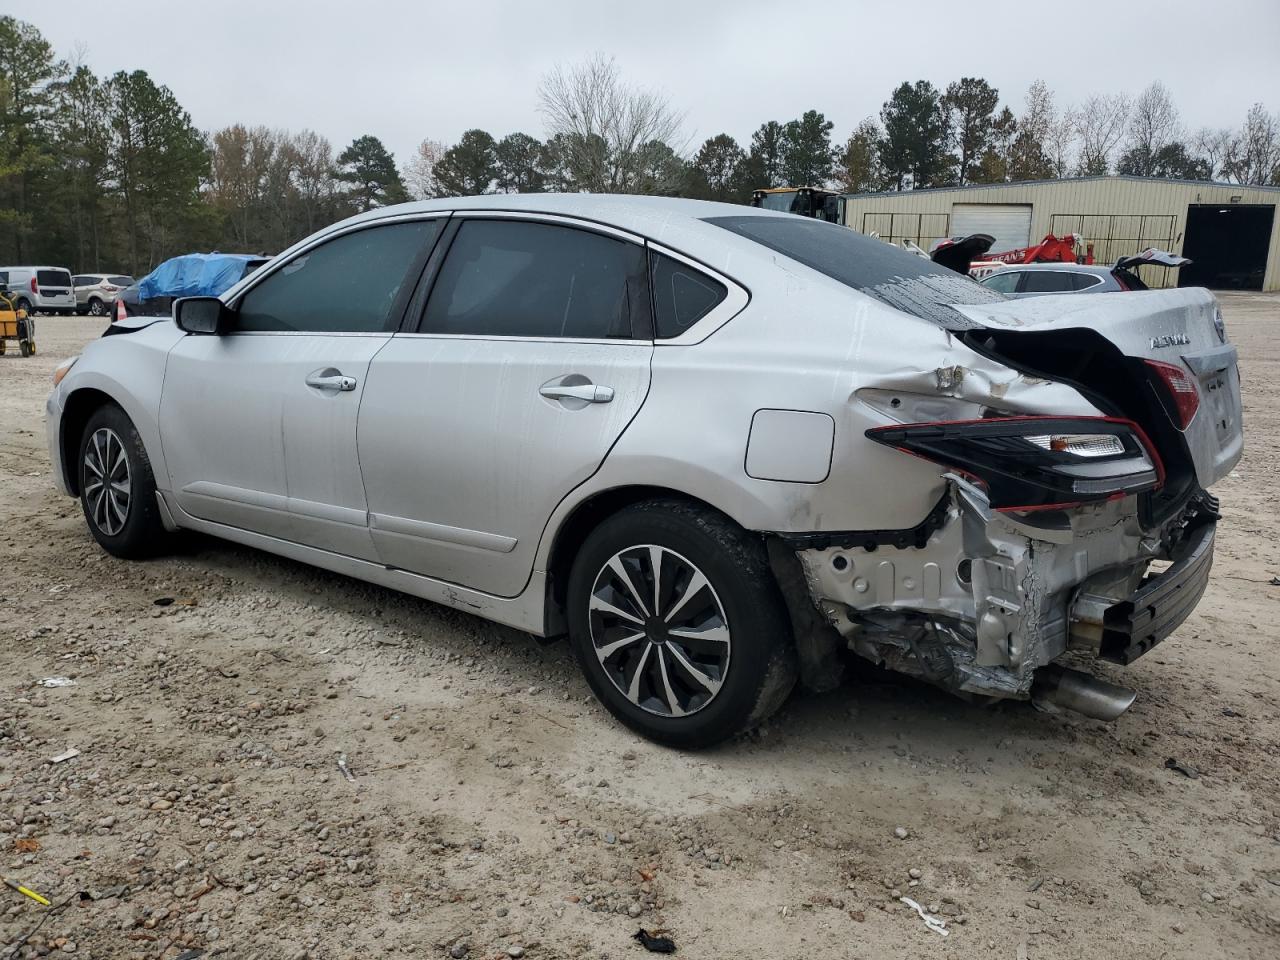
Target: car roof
x,y
672,220
1092,268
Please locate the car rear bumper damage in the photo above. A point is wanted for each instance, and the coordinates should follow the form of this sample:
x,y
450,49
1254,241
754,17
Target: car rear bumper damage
x,y
982,602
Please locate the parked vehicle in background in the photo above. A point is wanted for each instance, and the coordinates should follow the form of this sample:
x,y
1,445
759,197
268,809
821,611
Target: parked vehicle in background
x,y
716,446
96,292
40,289
189,275
1041,279
802,201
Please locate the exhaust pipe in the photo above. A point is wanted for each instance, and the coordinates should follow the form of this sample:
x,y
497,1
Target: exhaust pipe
x,y
1069,689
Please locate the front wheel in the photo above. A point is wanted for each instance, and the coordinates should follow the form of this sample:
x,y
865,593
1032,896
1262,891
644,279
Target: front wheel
x,y
678,624
96,308
117,487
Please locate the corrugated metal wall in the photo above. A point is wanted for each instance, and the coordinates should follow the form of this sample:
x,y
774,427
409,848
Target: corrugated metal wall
x,y
1119,215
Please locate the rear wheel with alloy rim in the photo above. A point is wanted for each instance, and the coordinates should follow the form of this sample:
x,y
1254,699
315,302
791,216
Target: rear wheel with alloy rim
x,y
96,308
677,622
117,488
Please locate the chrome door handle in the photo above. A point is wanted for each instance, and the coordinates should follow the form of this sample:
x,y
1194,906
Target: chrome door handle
x,y
587,392
333,382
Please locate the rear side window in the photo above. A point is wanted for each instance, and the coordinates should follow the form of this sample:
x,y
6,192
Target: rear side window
x,y
681,295
514,278
120,281
1005,282
53,278
1047,281
1083,281
346,285
912,284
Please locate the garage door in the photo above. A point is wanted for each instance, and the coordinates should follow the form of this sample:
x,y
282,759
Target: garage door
x,y
1009,223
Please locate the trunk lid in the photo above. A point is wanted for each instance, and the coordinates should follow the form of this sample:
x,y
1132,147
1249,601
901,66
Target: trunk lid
x,y
1180,327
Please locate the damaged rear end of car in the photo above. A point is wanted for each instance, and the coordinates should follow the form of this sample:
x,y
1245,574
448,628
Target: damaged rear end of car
x,y
1069,529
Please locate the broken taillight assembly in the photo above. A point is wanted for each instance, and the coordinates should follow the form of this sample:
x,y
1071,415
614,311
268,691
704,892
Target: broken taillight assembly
x,y
1182,396
1036,462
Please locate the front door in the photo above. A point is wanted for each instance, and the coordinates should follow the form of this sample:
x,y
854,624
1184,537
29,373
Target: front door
x,y
259,425
531,358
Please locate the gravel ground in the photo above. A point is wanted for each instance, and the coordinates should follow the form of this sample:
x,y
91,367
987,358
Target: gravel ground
x,y
493,810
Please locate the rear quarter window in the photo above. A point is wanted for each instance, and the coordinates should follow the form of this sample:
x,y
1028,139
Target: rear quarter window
x,y
120,281
902,280
681,295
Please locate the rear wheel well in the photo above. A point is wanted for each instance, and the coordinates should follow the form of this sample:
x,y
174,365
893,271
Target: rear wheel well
x,y
75,414
575,529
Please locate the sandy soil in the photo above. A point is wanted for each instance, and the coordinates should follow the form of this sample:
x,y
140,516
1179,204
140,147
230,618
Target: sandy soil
x,y
496,810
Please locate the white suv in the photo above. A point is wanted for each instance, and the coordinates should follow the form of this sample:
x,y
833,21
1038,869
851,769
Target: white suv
x,y
97,292
40,289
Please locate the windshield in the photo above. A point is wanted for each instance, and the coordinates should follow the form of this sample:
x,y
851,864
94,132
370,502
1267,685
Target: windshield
x,y
782,202
912,284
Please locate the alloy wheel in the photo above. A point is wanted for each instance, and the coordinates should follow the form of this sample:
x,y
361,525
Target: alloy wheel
x,y
106,481
96,308
659,630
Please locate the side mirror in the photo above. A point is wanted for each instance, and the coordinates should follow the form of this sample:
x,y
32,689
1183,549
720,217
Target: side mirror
x,y
202,315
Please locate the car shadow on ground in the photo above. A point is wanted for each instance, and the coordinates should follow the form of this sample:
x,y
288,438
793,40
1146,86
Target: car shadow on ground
x,y
872,706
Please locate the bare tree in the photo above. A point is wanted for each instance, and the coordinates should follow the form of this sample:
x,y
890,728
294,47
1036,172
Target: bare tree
x,y
311,159
239,186
1060,144
1154,122
1253,155
1099,126
420,173
1214,146
606,124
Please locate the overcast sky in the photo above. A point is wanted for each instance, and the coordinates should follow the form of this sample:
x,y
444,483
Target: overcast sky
x,y
405,70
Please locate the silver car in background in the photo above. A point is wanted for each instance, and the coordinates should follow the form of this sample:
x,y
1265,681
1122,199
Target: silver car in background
x,y
96,292
1041,279
715,446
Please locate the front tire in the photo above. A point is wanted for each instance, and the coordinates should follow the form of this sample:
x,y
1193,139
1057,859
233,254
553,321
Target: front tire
x,y
678,624
96,307
117,487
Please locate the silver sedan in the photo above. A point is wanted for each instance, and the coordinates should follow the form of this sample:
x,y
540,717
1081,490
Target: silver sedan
x,y
715,447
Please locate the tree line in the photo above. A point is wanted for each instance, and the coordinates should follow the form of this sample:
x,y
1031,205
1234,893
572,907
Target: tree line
x,y
110,173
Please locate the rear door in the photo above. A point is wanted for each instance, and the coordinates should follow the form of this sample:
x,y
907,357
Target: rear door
x,y
259,425
531,358
55,291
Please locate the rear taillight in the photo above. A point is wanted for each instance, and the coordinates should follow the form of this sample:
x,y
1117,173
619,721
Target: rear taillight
x,y
1037,463
34,288
1180,389
108,288
121,312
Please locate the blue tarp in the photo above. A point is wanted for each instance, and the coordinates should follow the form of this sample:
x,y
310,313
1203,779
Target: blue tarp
x,y
194,275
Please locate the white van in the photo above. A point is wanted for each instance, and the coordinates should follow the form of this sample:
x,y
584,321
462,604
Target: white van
x,y
40,289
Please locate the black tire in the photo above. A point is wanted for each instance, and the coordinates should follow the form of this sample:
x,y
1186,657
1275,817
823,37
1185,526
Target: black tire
x,y
141,533
96,307
25,348
22,303
743,604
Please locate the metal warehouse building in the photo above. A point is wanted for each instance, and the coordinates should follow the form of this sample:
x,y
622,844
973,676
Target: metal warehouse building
x,y
1230,232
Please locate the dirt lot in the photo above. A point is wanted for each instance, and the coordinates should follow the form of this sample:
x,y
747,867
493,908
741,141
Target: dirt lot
x,y
496,810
